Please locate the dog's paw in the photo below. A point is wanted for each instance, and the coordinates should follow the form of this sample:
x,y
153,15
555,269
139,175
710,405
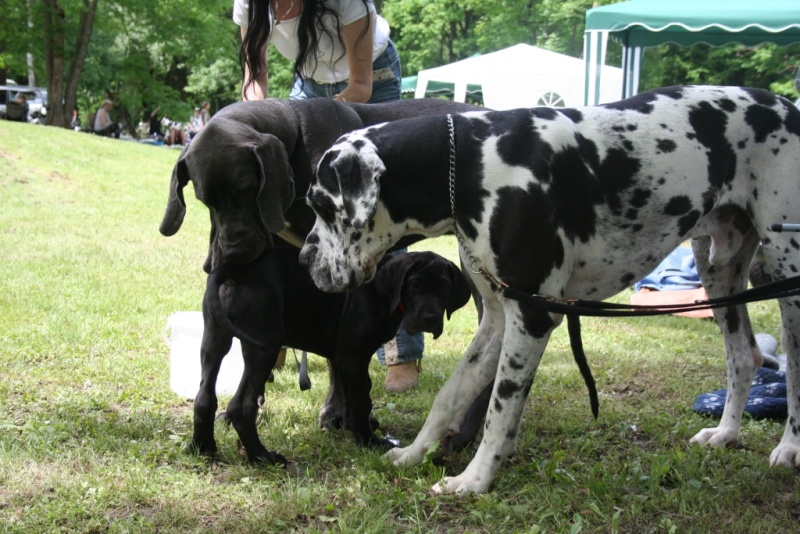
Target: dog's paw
x,y
268,458
716,437
785,454
460,485
405,456
204,448
330,423
374,424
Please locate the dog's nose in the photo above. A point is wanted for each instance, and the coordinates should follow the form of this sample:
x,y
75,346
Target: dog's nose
x,y
239,246
307,254
240,253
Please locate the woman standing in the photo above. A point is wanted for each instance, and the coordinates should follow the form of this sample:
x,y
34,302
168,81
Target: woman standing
x,y
342,51
340,48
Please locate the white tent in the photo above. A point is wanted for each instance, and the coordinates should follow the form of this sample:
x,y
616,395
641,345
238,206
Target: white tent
x,y
522,76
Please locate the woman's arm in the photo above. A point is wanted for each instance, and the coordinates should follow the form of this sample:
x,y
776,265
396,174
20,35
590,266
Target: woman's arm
x,y
258,89
359,58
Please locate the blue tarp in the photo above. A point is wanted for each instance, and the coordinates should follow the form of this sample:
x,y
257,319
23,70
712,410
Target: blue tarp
x,y
677,271
767,397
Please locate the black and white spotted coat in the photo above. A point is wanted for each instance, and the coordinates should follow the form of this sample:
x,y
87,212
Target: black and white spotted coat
x,y
574,203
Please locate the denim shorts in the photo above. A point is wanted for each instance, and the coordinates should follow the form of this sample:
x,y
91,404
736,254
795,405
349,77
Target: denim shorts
x,y
385,85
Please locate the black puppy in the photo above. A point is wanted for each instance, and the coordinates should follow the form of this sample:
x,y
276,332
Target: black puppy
x,y
273,302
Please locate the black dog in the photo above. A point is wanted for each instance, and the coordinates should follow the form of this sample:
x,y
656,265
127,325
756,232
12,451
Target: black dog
x,y
251,165
273,302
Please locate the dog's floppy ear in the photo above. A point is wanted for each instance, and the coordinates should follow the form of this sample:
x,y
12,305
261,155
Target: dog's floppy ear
x,y
391,276
276,190
359,172
176,205
459,291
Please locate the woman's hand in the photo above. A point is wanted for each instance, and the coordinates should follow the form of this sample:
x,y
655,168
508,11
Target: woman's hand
x,y
358,48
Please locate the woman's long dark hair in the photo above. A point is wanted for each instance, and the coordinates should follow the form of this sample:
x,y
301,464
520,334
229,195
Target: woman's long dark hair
x,y
258,29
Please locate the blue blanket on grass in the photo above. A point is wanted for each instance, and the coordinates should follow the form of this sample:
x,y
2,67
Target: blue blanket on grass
x,y
767,397
676,272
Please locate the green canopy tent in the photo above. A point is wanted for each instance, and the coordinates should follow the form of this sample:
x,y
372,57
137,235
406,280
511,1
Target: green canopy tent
x,y
638,24
437,89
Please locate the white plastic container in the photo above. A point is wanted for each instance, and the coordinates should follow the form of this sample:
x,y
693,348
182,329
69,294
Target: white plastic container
x,y
183,335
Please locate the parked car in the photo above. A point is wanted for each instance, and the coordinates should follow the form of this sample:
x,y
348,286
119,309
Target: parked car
x,y
36,98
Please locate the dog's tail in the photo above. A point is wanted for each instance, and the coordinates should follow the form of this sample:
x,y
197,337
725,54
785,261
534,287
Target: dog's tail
x,y
574,328
216,278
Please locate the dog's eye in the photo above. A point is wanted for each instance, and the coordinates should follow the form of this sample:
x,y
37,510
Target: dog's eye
x,y
415,283
324,207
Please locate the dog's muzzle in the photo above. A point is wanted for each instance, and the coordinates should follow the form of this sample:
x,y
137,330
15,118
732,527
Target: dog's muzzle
x,y
242,253
331,274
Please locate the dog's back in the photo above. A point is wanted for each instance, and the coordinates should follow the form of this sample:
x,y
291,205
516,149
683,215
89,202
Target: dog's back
x,y
273,297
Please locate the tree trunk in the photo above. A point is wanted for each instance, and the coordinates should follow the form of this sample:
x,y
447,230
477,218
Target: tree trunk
x,y
81,48
54,60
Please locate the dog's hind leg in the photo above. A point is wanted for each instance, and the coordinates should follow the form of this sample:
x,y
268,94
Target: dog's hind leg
x,y
781,256
787,453
741,351
475,371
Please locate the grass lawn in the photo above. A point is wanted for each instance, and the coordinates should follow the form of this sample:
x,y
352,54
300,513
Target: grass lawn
x,y
92,439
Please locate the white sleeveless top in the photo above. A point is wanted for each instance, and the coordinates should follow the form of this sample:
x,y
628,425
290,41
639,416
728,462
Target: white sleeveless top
x,y
329,64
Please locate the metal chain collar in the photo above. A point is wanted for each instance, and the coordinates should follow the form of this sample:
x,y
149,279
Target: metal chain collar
x,y
452,177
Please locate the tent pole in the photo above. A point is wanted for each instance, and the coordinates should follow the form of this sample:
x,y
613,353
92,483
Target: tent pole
x,y
422,86
595,44
631,69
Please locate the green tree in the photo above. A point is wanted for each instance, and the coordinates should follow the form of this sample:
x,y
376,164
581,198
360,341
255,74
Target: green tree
x,y
178,53
429,33
144,52
766,66
14,39
62,19
137,52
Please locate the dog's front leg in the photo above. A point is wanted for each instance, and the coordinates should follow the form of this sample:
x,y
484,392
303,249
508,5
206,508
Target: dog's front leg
x,y
331,415
475,371
215,345
520,357
242,410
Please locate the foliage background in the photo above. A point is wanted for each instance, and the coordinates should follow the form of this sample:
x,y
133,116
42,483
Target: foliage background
x,y
178,53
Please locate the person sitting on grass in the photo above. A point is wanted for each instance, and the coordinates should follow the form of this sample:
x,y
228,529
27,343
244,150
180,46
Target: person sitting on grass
x,y
102,121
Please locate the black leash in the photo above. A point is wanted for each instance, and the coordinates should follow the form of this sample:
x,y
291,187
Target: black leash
x,y
788,287
574,309
302,370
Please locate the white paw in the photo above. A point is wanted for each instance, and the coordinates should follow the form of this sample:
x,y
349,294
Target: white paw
x,y
461,485
785,454
715,437
404,456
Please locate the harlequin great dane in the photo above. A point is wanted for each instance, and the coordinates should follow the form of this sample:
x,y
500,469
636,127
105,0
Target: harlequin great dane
x,y
572,203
